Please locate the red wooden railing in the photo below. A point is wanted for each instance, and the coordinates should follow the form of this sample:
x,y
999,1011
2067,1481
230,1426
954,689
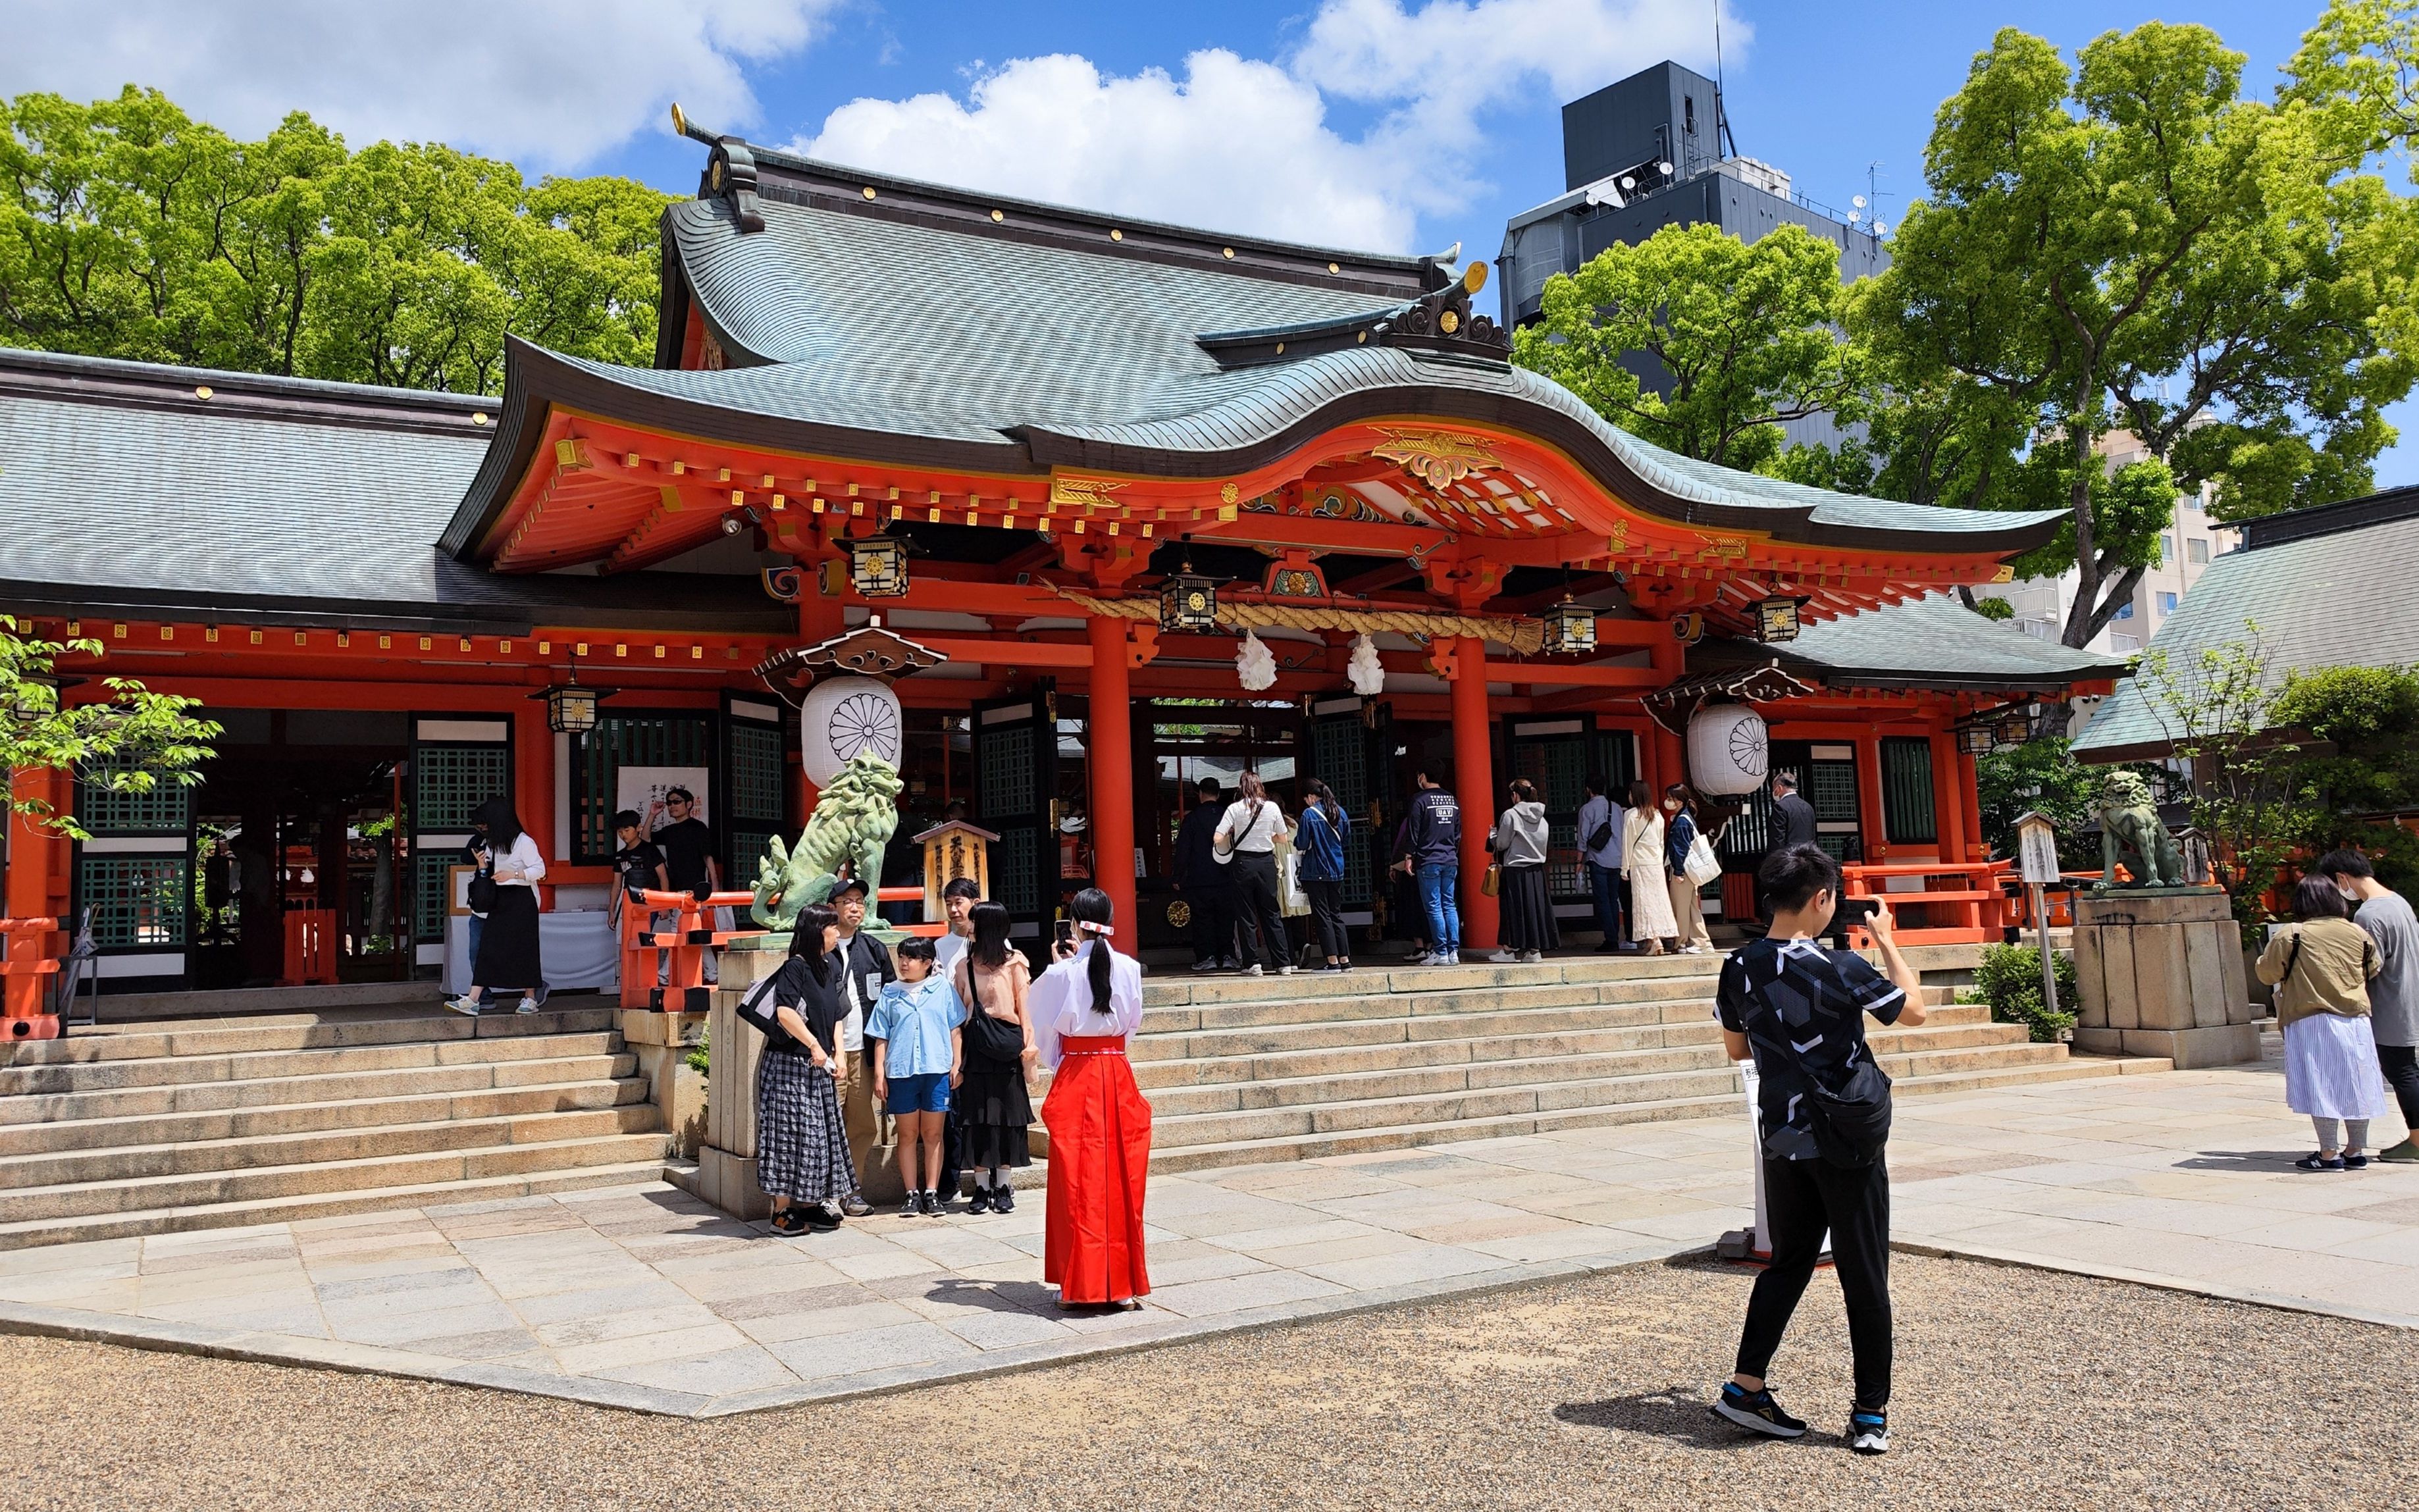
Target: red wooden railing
x,y
692,934
1963,902
310,948
26,967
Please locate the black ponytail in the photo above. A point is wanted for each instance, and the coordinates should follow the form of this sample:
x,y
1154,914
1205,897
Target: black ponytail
x,y
1092,906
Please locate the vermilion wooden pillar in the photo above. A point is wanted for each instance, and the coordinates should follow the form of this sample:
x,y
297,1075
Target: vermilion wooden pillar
x,y
1868,798
1473,764
1666,759
37,857
1108,738
1947,804
1969,795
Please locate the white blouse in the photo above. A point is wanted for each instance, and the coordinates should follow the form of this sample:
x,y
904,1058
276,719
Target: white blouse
x,y
525,857
1251,834
1060,1001
1643,856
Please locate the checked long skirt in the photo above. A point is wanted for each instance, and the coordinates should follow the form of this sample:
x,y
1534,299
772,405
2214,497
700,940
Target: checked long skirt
x,y
1100,1161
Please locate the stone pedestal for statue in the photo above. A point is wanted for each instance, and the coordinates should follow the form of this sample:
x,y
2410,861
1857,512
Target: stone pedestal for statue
x,y
2160,973
726,1159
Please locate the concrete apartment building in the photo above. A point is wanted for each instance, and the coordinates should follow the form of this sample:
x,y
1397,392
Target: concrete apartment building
x,y
2186,547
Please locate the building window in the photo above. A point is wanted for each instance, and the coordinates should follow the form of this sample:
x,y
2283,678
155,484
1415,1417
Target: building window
x,y
1907,816
2196,550
2124,611
2167,549
2166,603
1688,114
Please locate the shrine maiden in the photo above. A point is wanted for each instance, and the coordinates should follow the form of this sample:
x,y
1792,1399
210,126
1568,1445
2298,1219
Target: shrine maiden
x,y
1081,1010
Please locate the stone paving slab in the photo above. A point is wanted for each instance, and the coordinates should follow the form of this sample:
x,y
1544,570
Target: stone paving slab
x,y
642,1297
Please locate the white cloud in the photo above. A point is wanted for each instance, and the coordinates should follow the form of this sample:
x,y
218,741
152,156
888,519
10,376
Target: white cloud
x,y
551,82
1246,146
1236,145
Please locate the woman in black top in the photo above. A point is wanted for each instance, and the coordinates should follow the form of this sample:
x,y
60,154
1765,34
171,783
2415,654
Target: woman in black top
x,y
802,1155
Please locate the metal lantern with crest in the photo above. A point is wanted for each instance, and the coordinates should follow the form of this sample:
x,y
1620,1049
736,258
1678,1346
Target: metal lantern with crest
x,y
2015,724
1569,628
571,709
1776,618
1975,740
877,566
1188,601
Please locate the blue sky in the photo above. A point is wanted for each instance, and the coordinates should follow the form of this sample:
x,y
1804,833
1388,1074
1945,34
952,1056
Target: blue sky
x,y
1400,125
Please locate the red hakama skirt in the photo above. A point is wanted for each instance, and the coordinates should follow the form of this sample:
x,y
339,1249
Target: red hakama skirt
x,y
1099,1159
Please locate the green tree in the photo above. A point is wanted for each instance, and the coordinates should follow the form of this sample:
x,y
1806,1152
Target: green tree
x,y
130,230
2361,762
2251,794
1742,335
128,742
2128,247
2037,775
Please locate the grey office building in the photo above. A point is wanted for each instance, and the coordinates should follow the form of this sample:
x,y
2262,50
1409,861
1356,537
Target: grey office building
x,y
1650,151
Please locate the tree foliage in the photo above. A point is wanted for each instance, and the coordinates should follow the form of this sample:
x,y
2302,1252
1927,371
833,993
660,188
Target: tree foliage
x,y
128,229
2361,762
1736,338
2126,246
128,742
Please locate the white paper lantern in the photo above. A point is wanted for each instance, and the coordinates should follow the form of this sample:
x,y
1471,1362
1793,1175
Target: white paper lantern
x,y
1727,750
841,717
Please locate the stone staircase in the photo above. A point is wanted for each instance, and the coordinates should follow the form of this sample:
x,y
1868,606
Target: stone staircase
x,y
154,1128
1243,1070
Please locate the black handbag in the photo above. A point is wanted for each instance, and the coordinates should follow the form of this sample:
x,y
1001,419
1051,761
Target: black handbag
x,y
1853,1124
483,893
994,1038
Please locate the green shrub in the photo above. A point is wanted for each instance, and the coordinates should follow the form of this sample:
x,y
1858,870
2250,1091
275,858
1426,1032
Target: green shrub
x,y
2009,977
696,1058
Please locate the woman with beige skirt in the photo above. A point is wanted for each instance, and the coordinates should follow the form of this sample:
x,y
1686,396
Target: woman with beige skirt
x,y
1642,857
1680,836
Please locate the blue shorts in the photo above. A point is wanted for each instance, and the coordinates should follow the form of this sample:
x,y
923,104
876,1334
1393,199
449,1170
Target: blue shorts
x,y
929,1093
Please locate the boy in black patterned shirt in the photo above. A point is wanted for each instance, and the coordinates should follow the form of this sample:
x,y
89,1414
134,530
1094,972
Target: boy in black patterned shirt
x,y
1798,1009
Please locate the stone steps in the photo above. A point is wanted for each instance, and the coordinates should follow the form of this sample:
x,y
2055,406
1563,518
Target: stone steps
x,y
159,1127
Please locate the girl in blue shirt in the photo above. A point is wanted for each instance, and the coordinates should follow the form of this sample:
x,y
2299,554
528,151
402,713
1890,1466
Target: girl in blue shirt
x,y
916,1030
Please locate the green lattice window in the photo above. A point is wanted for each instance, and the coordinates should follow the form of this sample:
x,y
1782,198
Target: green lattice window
x,y
755,778
1907,816
137,901
1016,873
1831,788
1006,767
165,809
430,904
1340,753
621,740
448,782
747,846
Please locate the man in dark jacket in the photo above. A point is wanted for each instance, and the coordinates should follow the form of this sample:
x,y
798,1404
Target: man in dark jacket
x,y
1434,847
1209,888
1795,816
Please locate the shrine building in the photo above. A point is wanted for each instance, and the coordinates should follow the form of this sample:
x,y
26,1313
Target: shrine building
x,y
1073,459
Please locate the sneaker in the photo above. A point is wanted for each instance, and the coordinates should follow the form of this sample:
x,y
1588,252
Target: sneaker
x,y
1451,957
980,1201
1757,1412
1285,970
1505,958
912,1208
1206,966
1002,1197
1530,958
1252,970
528,1005
929,1204
1869,1432
2320,1160
789,1221
467,1007
2405,1153
1344,965
821,1220
2355,1162
855,1207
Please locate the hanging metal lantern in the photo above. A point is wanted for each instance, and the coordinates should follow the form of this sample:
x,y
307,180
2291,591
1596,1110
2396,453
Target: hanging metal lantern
x,y
35,696
877,566
571,709
1569,628
1776,618
1974,739
1187,602
2015,727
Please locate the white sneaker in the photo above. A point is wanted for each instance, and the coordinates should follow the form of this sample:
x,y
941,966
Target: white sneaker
x,y
1505,958
1532,957
1252,970
1284,971
468,1007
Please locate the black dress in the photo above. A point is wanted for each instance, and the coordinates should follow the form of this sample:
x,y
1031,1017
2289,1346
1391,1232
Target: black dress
x,y
801,1143
508,949
993,1107
1528,912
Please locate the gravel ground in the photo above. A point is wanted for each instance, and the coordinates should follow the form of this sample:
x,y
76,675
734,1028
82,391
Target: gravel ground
x,y
2015,1388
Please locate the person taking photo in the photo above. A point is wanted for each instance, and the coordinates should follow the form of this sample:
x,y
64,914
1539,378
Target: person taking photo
x,y
1797,1009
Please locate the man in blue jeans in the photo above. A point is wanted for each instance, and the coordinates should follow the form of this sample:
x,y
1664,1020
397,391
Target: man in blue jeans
x,y
1599,814
1433,850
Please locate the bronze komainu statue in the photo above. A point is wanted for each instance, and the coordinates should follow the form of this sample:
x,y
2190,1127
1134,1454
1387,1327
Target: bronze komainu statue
x,y
2130,830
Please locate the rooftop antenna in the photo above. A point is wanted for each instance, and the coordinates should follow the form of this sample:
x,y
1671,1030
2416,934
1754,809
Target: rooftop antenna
x,y
1721,111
